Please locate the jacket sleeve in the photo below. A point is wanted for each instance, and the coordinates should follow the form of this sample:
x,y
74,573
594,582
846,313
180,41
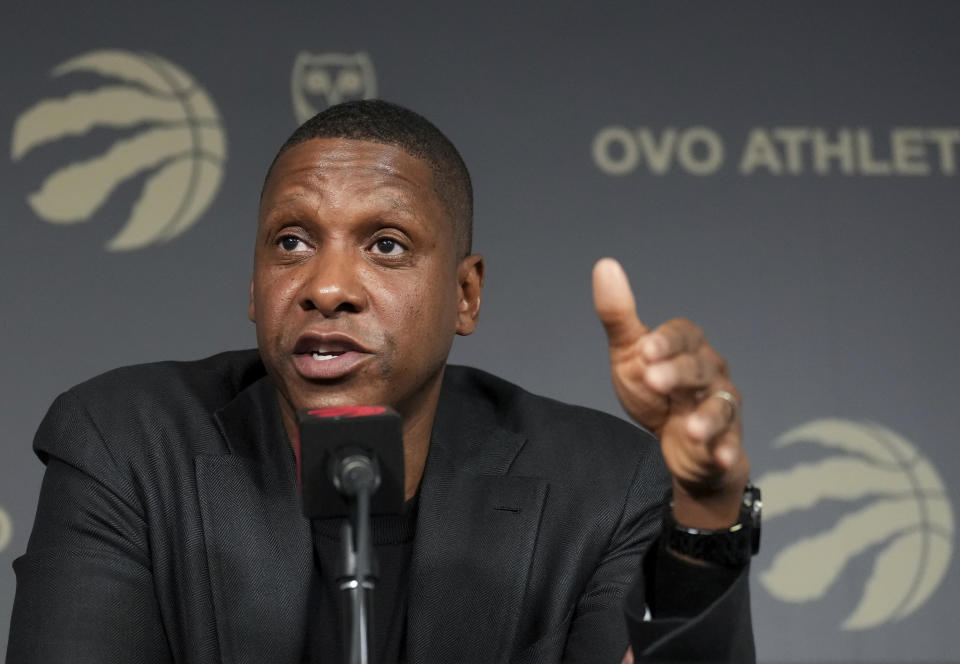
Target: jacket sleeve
x,y
597,631
696,613
84,586
699,613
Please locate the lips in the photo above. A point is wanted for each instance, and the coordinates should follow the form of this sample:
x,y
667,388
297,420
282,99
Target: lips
x,y
328,356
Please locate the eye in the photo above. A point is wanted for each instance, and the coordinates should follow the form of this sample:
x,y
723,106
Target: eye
x,y
388,246
349,82
292,243
317,82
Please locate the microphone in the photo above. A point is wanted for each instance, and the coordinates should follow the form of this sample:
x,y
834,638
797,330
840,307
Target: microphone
x,y
355,473
348,450
351,465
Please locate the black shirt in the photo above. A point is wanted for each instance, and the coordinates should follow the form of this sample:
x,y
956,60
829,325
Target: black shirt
x,y
392,537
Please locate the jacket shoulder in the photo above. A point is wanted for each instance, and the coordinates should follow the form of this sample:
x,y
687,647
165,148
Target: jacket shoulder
x,y
208,382
134,409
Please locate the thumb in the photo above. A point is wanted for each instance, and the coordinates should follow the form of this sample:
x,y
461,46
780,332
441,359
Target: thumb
x,y
615,305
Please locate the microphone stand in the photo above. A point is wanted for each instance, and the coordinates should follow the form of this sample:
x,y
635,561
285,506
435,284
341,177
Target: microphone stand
x,y
357,477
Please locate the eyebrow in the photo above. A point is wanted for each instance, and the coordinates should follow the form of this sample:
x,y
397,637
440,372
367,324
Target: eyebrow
x,y
401,205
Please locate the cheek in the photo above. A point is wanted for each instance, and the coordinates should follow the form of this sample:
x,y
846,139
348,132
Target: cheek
x,y
402,317
417,316
434,305
434,315
273,298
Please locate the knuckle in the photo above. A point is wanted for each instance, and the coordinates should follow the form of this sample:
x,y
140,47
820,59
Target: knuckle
x,y
710,355
693,331
701,372
722,367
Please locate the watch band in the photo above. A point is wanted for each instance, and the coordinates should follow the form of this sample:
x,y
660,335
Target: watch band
x,y
730,546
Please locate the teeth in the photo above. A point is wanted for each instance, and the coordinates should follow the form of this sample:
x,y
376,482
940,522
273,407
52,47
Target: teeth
x,y
317,355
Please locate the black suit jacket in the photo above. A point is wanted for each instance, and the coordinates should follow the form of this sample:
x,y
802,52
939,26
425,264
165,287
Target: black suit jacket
x,y
169,527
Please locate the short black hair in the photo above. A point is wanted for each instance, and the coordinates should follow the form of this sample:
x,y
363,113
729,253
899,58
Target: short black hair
x,y
384,122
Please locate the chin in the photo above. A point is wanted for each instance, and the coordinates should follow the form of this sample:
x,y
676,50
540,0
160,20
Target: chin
x,y
339,392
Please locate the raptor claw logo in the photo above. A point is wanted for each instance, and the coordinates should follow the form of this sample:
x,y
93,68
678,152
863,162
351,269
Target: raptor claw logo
x,y
177,141
6,529
898,511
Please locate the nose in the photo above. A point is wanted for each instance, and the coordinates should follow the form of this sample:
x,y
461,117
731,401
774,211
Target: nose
x,y
334,284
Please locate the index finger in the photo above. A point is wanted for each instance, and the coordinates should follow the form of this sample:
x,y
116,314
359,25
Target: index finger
x,y
615,305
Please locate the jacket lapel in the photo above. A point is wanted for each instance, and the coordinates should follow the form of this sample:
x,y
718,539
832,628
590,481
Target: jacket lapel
x,y
476,531
258,544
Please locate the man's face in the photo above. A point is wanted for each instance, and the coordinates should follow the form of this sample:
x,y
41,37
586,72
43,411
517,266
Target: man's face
x,y
357,287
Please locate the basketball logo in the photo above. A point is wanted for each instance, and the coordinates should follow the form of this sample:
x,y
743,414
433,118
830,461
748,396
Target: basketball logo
x,y
6,529
886,507
162,127
325,79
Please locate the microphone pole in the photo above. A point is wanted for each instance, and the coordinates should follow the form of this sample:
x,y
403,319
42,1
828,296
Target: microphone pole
x,y
358,477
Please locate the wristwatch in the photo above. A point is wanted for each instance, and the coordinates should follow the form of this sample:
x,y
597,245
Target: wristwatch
x,y
731,546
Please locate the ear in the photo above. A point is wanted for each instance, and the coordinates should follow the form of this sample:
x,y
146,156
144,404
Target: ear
x,y
252,310
470,285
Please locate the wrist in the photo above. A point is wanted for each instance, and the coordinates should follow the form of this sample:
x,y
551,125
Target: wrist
x,y
710,510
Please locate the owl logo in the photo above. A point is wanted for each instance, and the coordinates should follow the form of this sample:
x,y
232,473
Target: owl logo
x,y
324,79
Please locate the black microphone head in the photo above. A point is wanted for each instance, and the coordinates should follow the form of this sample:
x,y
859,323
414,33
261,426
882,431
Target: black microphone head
x,y
328,436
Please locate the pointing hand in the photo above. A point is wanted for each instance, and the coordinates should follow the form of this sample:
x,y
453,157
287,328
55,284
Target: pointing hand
x,y
674,383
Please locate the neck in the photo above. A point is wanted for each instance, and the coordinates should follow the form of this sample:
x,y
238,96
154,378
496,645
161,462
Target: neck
x,y
416,444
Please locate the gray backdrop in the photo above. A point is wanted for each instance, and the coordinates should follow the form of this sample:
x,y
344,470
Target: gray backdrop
x,y
785,174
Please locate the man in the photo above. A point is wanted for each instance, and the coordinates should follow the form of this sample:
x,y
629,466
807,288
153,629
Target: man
x,y
169,528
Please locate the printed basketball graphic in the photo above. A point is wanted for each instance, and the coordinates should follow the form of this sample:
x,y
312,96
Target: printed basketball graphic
x,y
325,79
166,128
889,507
6,529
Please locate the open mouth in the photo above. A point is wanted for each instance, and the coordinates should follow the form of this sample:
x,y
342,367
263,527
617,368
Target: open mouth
x,y
322,356
328,356
325,347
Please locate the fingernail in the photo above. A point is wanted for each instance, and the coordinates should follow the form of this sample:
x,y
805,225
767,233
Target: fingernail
x,y
697,426
659,376
725,456
653,347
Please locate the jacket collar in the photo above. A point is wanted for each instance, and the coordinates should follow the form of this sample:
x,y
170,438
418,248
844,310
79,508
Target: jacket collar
x,y
259,552
476,531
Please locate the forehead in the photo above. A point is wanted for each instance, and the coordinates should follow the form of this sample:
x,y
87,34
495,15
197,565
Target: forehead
x,y
318,163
